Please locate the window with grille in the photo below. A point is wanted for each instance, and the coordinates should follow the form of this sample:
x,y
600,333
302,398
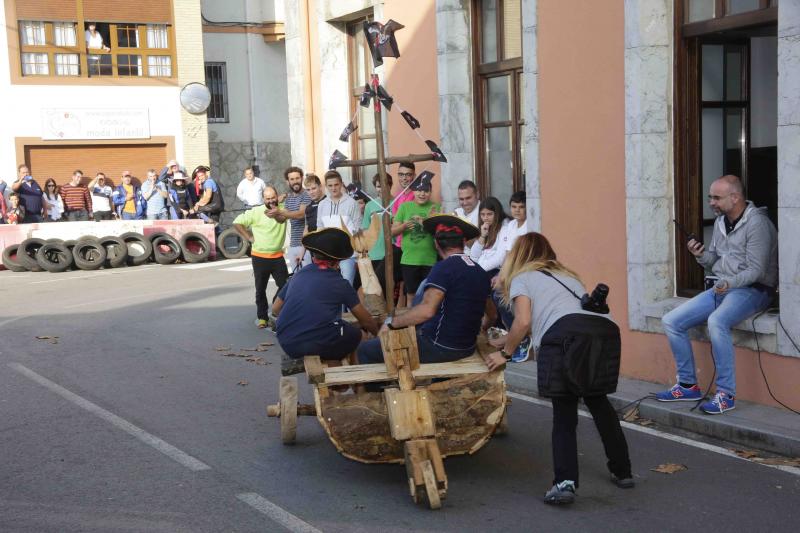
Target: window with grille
x,y
129,65
159,66
67,64
34,64
64,33
127,36
217,83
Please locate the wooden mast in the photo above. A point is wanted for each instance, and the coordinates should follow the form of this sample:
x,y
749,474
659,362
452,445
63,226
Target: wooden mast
x,y
388,261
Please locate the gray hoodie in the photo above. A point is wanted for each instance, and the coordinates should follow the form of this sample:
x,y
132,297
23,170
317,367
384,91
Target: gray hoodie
x,y
748,254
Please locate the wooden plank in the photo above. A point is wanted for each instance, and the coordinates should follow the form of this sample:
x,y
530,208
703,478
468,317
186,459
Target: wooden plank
x,y
462,367
353,374
373,373
314,369
435,457
410,414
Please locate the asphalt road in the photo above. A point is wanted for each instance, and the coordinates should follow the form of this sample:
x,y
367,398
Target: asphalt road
x,y
133,421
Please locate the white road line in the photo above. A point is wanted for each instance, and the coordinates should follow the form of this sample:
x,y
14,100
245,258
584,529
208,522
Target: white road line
x,y
115,272
151,440
10,320
212,264
278,514
668,436
240,268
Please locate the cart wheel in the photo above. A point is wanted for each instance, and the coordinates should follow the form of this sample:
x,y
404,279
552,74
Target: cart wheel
x,y
431,487
288,409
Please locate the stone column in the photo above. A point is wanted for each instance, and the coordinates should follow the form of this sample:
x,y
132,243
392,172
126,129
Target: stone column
x,y
530,74
191,68
648,154
456,124
789,173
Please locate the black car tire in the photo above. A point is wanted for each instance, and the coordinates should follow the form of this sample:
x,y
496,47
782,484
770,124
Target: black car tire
x,y
140,249
10,259
88,255
26,254
116,251
54,257
166,249
192,241
232,252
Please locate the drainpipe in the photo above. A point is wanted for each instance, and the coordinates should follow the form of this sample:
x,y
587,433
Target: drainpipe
x,y
250,86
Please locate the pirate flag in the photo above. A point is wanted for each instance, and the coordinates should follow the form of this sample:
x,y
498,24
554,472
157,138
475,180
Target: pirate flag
x,y
436,151
384,98
347,131
381,40
366,96
336,157
423,181
409,118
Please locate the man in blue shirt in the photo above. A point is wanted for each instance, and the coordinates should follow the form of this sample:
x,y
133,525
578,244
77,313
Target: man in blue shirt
x,y
155,194
310,321
30,194
209,203
456,295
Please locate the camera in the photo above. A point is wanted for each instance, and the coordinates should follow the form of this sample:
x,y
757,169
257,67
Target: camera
x,y
596,302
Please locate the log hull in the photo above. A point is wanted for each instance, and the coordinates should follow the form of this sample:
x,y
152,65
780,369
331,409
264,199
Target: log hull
x,y
466,412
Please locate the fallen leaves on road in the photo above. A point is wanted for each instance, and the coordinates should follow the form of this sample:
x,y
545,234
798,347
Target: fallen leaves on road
x,y
257,360
234,354
779,461
223,348
266,344
645,422
249,349
747,454
243,383
262,349
669,468
52,338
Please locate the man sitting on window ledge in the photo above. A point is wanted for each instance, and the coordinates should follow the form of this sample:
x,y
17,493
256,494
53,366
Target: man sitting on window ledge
x,y
743,256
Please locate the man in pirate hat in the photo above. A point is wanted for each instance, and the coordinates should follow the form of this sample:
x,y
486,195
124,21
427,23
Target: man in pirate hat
x,y
310,321
456,294
209,202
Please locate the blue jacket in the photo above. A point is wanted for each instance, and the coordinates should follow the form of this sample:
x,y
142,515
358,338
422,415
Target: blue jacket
x,y
174,214
119,195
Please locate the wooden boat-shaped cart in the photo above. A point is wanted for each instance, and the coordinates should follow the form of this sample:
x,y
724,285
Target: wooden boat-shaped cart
x,y
428,412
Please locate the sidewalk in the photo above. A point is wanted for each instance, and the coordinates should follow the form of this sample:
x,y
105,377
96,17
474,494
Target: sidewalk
x,y
750,425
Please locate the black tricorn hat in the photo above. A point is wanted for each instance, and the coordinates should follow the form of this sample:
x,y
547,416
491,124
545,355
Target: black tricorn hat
x,y
438,224
330,242
199,168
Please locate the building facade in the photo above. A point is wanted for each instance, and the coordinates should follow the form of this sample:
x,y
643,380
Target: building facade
x,y
614,117
105,101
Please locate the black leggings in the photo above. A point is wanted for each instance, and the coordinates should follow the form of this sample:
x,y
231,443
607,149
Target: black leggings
x,y
413,275
565,443
262,269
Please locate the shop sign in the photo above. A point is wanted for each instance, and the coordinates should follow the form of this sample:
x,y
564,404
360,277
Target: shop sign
x,y
94,124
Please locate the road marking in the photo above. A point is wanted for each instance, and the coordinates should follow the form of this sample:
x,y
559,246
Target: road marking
x,y
668,436
151,440
10,320
240,268
278,514
114,272
212,264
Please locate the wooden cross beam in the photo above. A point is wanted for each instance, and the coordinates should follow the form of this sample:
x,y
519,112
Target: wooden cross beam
x,y
411,158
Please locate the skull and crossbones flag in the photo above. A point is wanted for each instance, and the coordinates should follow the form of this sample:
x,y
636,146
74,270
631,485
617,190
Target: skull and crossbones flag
x,y
336,157
366,96
347,131
438,155
384,98
410,120
381,40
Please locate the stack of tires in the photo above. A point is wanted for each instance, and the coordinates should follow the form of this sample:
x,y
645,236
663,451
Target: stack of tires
x,y
231,245
91,253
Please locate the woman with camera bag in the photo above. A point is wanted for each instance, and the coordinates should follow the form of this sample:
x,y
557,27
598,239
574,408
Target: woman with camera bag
x,y
578,349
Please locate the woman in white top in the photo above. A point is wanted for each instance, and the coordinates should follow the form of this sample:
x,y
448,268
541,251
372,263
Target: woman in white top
x,y
53,204
94,40
487,250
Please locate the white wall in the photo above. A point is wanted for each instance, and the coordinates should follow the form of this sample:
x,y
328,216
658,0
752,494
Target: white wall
x,y
268,109
234,10
22,117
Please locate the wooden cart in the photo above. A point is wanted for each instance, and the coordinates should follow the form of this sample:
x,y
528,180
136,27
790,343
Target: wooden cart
x,y
413,421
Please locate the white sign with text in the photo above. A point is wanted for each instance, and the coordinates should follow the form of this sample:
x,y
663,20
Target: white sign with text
x,y
62,124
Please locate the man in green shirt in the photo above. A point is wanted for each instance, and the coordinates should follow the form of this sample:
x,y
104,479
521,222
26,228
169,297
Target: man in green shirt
x,y
265,228
419,253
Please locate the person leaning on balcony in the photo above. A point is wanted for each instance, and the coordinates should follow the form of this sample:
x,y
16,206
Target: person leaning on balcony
x,y
743,255
77,202
94,40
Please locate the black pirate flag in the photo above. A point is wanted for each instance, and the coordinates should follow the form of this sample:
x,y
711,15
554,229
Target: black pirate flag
x,y
381,40
423,181
409,118
366,96
438,155
347,131
336,157
384,98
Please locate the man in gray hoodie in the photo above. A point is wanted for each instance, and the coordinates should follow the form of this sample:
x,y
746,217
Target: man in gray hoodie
x,y
743,255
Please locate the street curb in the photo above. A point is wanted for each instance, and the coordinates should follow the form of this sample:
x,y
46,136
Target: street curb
x,y
748,426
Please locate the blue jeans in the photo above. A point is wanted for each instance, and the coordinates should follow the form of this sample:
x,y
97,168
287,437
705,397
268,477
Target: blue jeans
x,y
129,216
348,269
722,312
161,215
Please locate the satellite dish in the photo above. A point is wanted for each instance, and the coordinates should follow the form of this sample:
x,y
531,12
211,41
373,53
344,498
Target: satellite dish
x,y
195,98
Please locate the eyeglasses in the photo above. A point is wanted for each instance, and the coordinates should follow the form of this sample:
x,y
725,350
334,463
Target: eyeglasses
x,y
405,174
717,198
52,185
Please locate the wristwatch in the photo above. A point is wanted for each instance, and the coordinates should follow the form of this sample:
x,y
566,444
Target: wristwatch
x,y
388,323
505,354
